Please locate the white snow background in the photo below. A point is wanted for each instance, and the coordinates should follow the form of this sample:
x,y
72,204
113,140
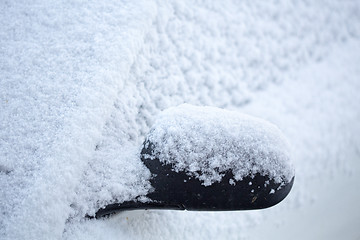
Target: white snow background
x,y
81,83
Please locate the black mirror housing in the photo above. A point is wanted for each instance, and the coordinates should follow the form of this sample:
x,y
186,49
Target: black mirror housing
x,y
209,159
182,191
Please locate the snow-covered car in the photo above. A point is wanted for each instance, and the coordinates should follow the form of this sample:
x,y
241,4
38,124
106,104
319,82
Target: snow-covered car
x,y
82,83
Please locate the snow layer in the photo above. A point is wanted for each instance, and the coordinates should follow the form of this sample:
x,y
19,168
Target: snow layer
x,y
62,65
206,142
81,83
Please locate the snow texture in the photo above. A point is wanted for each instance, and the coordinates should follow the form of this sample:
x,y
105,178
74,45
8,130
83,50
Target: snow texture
x,y
206,142
81,83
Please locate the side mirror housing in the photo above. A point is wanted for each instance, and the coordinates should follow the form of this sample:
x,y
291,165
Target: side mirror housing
x,y
209,159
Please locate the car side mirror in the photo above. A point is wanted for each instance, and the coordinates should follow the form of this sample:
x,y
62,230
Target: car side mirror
x,y
209,159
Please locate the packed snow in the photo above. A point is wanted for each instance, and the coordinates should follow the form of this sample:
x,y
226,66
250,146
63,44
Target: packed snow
x,y
206,142
81,84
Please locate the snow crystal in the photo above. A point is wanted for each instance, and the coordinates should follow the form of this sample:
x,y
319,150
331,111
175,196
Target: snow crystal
x,y
208,141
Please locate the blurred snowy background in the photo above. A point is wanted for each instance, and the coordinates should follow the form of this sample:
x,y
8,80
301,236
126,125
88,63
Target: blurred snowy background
x,y
81,83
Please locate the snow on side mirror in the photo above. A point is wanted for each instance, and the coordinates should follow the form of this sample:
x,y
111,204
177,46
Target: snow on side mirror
x,y
205,158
